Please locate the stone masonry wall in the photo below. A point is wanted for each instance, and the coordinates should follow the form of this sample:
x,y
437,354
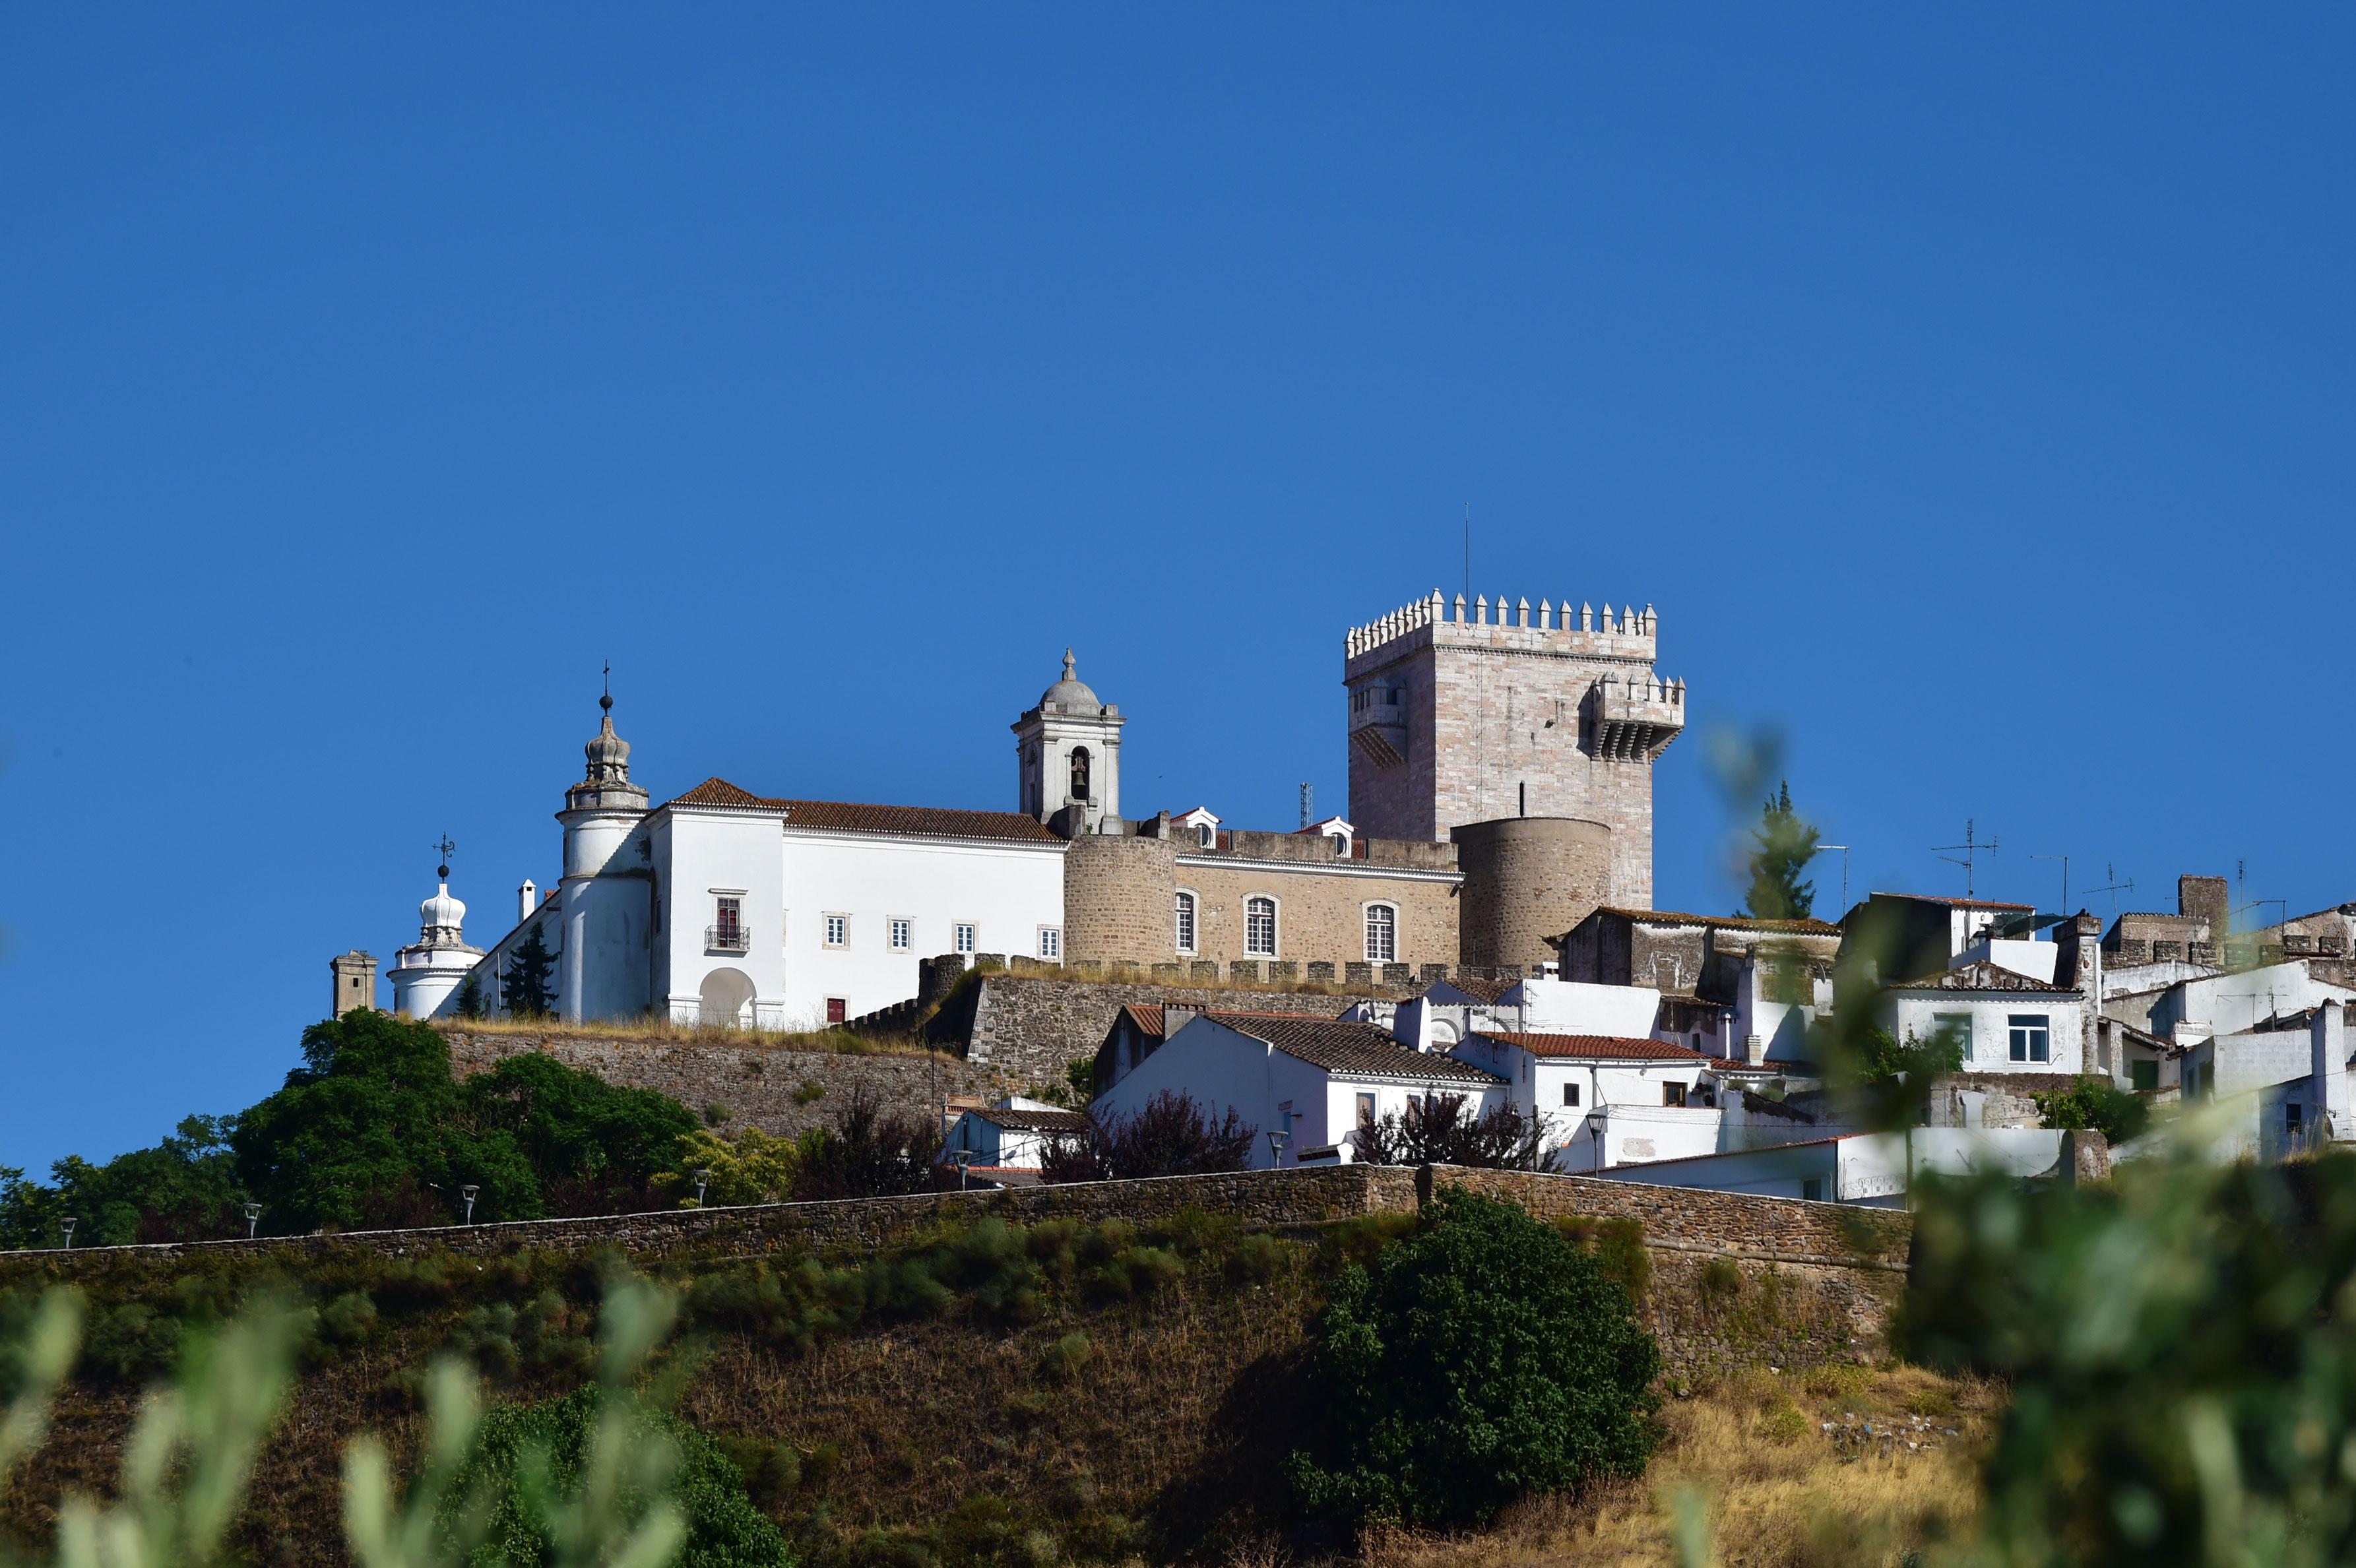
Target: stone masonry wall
x,y
1811,1281
1118,893
1527,878
1321,913
779,1092
1031,1027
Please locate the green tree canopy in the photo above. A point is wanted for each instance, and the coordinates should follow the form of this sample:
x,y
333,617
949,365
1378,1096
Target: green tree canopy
x,y
183,1190
1783,846
526,990
1484,1357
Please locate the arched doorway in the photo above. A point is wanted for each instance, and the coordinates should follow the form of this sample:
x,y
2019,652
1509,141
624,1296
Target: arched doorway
x,y
727,998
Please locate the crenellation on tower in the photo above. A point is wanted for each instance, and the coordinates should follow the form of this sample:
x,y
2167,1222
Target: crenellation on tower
x,y
1473,710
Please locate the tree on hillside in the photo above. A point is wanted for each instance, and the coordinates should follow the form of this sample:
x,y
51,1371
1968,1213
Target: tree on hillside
x,y
594,1146
525,990
1439,1130
869,1152
1170,1134
1479,1359
1783,846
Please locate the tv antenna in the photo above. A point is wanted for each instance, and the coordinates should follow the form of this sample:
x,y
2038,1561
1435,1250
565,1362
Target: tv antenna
x,y
1844,849
1971,846
2064,908
2115,888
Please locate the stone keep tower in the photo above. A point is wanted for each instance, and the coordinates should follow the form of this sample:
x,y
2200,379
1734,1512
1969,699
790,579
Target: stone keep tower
x,y
1460,716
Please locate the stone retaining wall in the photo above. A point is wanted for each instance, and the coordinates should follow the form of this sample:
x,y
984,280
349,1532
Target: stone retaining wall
x,y
1735,1279
1032,1028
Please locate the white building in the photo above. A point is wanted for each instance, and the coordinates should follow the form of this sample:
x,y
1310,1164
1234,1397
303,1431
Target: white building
x,y
1007,1143
726,907
1868,1169
429,971
1313,1080
2006,1022
1603,1099
1447,1011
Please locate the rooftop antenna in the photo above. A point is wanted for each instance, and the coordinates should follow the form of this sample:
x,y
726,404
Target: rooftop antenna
x,y
445,847
1844,849
2065,878
1971,847
1308,803
2115,888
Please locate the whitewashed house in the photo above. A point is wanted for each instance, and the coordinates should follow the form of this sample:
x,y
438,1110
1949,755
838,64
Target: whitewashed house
x,y
2005,1021
1873,1170
1311,1080
1006,1142
1602,1099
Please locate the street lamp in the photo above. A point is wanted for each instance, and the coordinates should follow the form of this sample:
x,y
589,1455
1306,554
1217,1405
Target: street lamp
x,y
702,1181
1276,1142
467,1192
252,1219
963,1159
66,1225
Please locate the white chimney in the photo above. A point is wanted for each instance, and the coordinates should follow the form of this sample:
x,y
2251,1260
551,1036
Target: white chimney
x,y
526,900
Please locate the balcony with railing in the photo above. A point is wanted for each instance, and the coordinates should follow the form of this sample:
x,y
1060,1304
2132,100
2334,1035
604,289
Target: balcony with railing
x,y
736,939
1635,717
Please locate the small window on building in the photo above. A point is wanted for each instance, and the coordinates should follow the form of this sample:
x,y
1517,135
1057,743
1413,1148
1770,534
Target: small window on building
x,y
2293,1118
1186,923
902,935
963,941
1673,1093
1570,1095
1812,1189
2032,1040
1051,942
837,1009
1382,934
1204,834
838,930
1341,845
1259,928
1955,1026
1365,1109
2143,1075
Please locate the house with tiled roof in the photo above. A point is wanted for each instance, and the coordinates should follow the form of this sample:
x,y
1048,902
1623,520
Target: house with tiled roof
x,y
1603,1099
1003,1145
1310,1080
2005,1021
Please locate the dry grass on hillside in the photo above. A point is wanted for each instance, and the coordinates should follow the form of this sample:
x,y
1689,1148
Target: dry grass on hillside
x,y
654,1030
1784,1491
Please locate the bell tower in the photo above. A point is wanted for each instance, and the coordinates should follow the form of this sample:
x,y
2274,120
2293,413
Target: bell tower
x,y
1067,757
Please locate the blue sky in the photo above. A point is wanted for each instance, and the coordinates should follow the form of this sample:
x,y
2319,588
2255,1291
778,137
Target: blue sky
x,y
1969,391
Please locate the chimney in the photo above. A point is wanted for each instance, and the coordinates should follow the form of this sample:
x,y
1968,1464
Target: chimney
x,y
2328,1032
1176,1018
2205,897
526,900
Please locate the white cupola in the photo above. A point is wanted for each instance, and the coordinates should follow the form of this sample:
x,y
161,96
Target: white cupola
x,y
426,974
1067,757
600,811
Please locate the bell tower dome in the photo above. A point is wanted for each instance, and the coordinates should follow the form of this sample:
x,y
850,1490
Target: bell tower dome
x,y
1067,757
600,811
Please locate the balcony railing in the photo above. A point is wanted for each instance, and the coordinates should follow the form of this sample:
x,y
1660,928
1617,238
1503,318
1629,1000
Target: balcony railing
x,y
727,939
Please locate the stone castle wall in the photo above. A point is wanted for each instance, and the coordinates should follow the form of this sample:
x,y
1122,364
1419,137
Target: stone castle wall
x,y
1813,1282
1031,1027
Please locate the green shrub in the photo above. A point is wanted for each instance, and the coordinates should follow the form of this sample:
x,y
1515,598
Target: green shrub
x,y
1721,1279
349,1318
1479,1359
724,1530
1066,1356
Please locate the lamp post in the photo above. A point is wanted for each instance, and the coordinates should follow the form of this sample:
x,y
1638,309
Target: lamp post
x,y
66,1225
702,1181
467,1192
252,1220
963,1159
1276,1142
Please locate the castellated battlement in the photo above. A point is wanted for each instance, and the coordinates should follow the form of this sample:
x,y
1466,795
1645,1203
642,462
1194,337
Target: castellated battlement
x,y
1628,634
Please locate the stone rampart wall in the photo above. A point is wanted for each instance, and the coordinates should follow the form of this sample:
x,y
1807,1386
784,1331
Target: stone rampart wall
x,y
1031,1027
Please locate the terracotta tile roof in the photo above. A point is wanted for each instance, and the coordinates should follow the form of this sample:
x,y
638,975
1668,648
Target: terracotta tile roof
x,y
1146,1015
1035,1121
1739,923
1600,1046
1983,976
842,816
1356,1050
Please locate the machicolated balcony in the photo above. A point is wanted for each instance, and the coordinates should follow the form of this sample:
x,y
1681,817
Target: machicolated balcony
x,y
727,939
1633,720
1379,725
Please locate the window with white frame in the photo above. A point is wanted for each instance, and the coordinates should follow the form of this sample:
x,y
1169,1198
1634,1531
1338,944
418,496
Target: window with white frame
x,y
1050,941
1365,1109
838,930
1185,918
1382,934
903,932
1205,835
1259,927
2031,1037
962,937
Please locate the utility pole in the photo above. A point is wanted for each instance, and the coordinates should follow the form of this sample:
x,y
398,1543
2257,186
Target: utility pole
x,y
1971,847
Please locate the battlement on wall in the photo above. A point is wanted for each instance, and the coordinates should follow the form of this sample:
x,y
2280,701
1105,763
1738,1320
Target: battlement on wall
x,y
1515,627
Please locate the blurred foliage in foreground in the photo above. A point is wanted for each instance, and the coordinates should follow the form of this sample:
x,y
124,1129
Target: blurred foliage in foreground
x,y
2181,1348
596,1479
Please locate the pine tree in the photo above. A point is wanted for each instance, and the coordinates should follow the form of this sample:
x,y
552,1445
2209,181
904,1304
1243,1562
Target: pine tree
x,y
525,991
470,999
1785,845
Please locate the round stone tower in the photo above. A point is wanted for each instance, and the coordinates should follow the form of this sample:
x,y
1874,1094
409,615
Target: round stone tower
x,y
1120,894
1527,879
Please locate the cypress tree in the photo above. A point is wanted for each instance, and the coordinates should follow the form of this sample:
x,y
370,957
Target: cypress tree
x,y
1783,846
525,991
